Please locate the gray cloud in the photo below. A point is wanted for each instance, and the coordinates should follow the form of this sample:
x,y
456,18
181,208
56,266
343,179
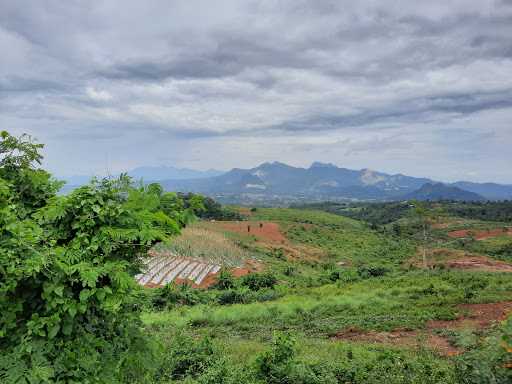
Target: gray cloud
x,y
109,76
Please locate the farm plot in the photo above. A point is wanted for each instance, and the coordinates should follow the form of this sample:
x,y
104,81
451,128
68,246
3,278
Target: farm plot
x,y
199,242
195,257
162,269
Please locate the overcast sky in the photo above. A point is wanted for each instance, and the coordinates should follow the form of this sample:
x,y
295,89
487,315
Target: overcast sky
x,y
422,88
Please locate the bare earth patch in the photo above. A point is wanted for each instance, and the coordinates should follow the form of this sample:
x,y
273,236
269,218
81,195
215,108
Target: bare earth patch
x,y
474,316
261,229
457,259
269,236
480,235
412,339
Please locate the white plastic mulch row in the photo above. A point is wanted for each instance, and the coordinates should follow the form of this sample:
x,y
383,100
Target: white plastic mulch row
x,y
199,267
163,269
170,265
186,271
153,269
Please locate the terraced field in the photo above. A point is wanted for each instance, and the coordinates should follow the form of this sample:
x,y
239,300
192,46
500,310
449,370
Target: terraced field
x,y
165,268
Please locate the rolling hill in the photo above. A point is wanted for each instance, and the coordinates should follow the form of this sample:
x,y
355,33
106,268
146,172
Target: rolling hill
x,y
439,191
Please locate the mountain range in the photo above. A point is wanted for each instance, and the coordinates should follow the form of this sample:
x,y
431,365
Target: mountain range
x,y
275,182
324,181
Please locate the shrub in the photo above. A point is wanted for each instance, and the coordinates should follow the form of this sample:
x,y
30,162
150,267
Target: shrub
x,y
233,296
277,253
371,271
188,357
280,366
256,281
225,280
178,294
335,275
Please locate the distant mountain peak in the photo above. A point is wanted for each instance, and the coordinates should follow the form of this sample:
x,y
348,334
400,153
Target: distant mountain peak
x,y
371,177
318,164
439,191
270,164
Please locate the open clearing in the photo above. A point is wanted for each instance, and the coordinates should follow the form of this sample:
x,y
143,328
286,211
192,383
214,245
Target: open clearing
x,y
472,316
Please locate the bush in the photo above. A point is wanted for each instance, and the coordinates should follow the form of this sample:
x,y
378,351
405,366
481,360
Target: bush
x,y
178,294
188,357
371,271
256,281
225,280
233,296
244,296
277,253
279,365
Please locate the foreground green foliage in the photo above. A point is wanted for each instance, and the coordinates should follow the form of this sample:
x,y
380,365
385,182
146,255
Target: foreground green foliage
x,y
69,313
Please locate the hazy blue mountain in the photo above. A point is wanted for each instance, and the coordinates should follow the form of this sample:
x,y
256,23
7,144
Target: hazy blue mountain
x,y
166,173
491,191
318,181
147,174
440,191
323,181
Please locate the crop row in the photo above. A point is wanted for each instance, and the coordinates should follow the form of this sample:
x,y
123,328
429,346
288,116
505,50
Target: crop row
x,y
162,269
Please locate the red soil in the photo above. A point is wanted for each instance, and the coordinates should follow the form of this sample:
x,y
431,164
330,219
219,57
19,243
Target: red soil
x,y
401,338
480,235
479,316
458,259
481,263
268,231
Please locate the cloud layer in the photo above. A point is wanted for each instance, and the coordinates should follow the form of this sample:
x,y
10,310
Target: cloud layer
x,y
424,89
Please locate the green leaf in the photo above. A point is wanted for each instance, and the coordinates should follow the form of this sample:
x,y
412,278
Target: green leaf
x,y
59,290
72,310
84,295
52,332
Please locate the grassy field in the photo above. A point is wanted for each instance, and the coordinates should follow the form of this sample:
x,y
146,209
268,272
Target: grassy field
x,y
335,276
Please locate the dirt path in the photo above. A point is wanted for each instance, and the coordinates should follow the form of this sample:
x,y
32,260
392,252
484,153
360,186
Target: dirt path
x,y
472,316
